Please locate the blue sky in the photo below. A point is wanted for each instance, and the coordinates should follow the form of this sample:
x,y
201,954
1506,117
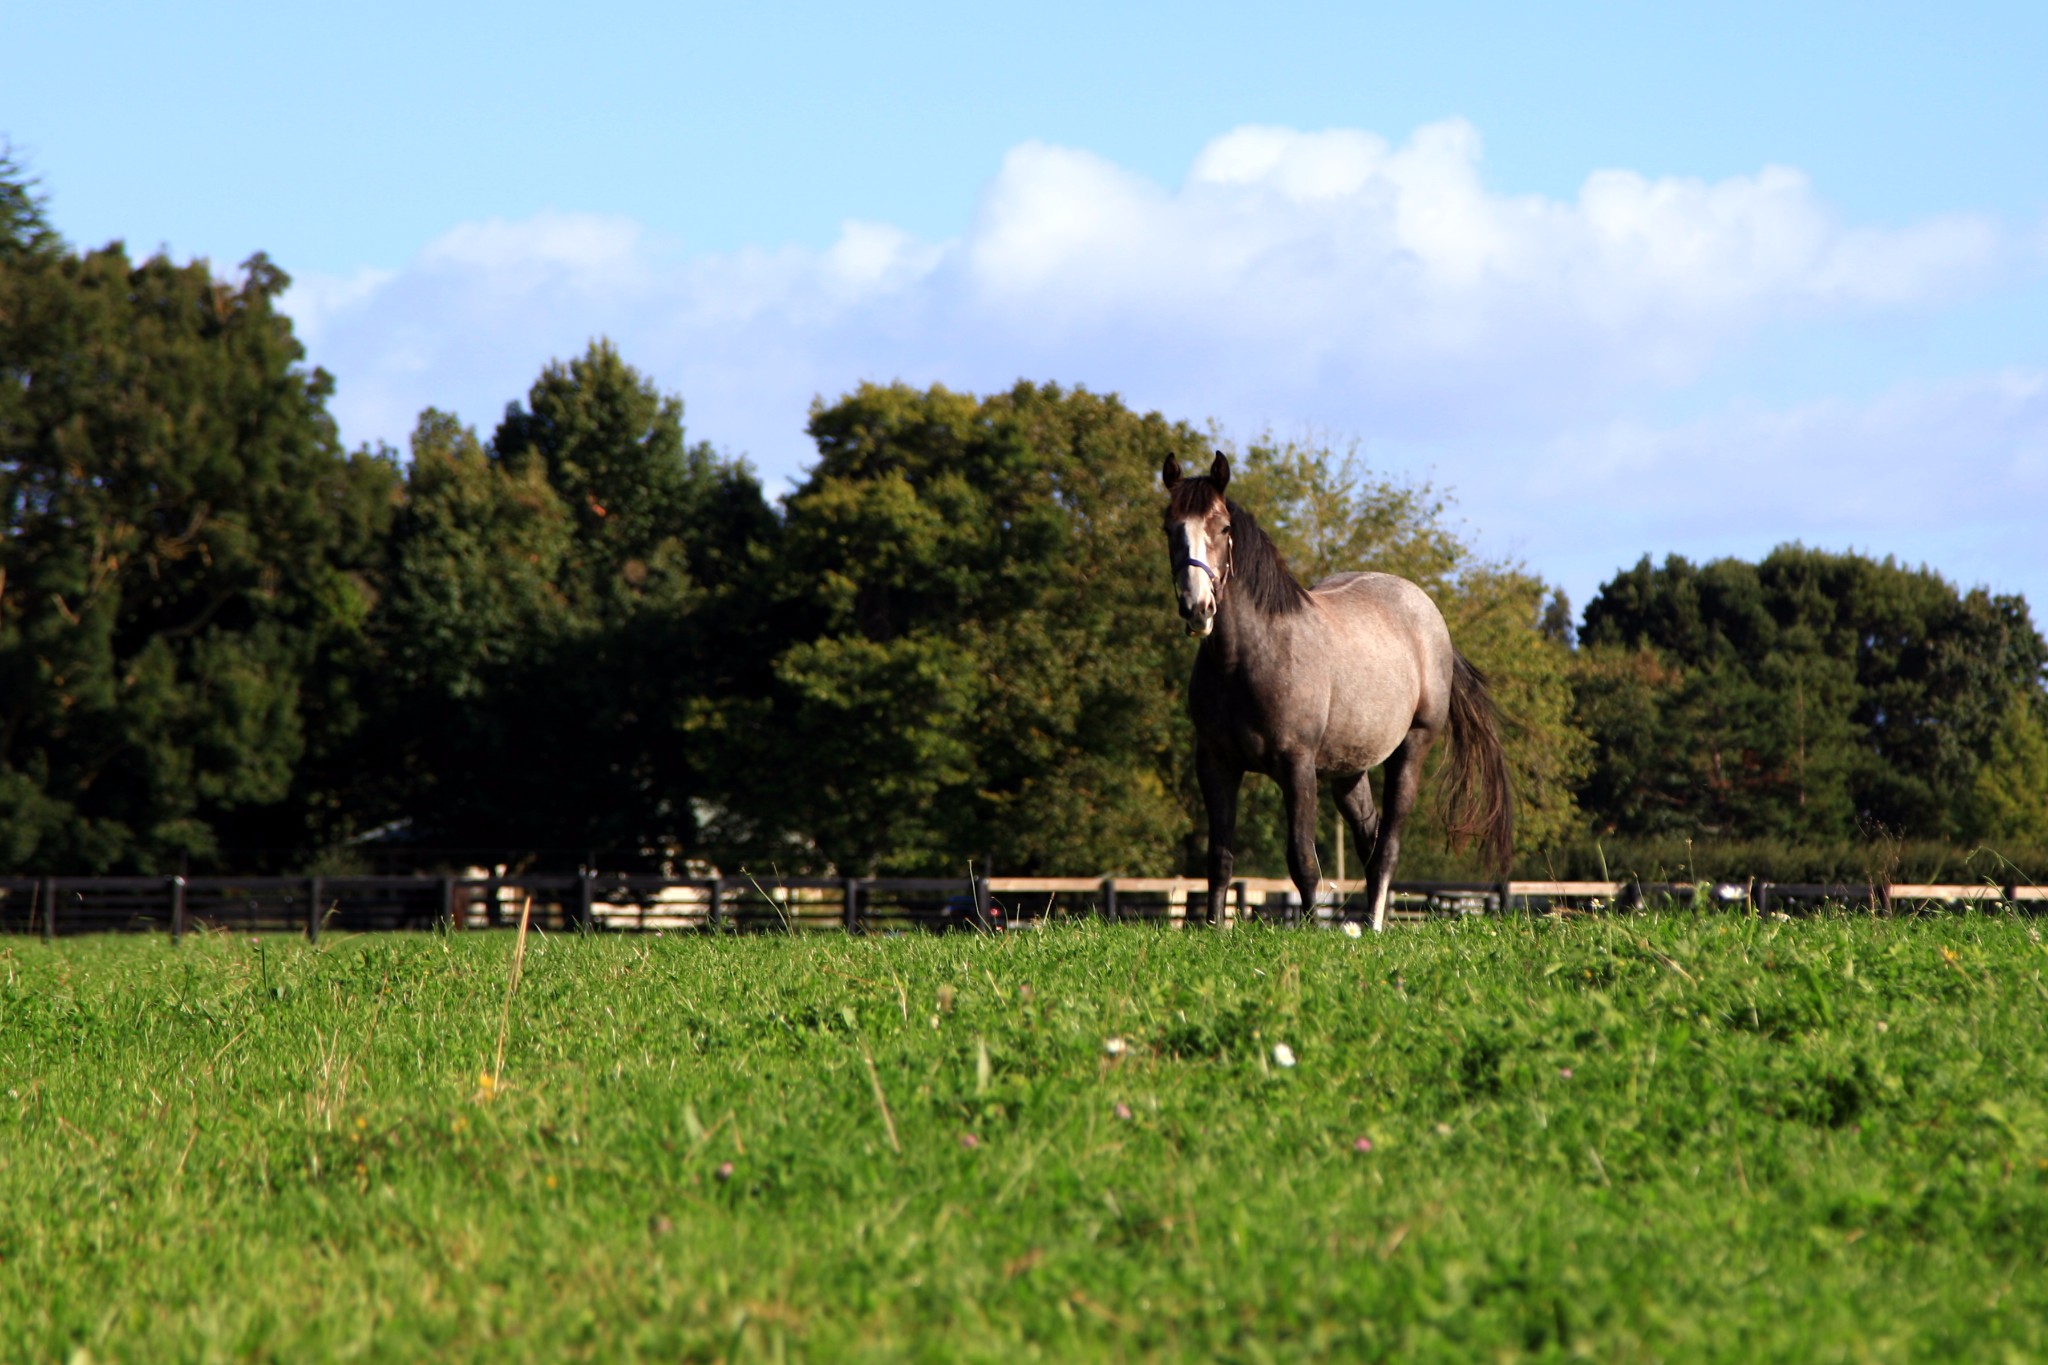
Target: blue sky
x,y
1625,279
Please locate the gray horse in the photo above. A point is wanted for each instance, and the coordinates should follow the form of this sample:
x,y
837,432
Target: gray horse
x,y
1332,680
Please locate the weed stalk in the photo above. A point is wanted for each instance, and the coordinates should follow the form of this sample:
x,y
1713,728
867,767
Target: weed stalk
x,y
511,985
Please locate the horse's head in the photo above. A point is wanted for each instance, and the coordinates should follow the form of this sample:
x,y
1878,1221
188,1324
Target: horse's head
x,y
1198,541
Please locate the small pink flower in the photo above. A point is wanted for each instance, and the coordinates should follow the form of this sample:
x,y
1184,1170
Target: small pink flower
x,y
1123,1111
724,1171
1565,1072
1363,1144
969,1141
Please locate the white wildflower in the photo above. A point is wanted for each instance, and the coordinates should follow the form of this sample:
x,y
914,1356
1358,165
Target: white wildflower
x,y
1283,1055
1114,1047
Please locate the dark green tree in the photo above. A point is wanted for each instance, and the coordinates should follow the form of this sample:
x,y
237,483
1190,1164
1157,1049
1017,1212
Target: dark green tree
x,y
980,659
188,562
565,607
2007,805
1811,695
24,226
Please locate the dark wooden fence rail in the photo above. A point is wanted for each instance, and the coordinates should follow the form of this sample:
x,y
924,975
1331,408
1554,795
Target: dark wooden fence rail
x,y
50,906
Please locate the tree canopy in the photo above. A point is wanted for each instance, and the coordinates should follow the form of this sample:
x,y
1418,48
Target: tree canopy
x,y
188,555
24,225
560,603
1812,694
972,654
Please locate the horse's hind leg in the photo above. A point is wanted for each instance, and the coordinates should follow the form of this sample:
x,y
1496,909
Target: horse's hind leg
x,y
1398,790
1298,793
1219,796
1354,803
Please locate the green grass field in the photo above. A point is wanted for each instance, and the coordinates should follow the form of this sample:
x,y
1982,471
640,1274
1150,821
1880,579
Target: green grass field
x,y
1649,1138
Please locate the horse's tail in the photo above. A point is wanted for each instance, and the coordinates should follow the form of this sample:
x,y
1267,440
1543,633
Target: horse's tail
x,y
1478,798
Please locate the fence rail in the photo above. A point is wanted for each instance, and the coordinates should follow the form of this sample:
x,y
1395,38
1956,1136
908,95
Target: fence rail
x,y
51,906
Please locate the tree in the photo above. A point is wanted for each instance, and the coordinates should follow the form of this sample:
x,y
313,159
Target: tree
x,y
188,557
1811,695
25,229
565,605
979,658
2007,804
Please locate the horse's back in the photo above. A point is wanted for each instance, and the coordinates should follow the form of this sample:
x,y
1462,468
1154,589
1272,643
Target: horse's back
x,y
1382,601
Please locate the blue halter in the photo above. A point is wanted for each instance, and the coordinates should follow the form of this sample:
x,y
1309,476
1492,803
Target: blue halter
x,y
1215,579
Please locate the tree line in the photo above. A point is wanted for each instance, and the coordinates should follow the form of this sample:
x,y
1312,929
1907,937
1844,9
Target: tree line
x,y
583,638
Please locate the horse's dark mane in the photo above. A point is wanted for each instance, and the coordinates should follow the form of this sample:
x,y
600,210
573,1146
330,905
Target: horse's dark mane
x,y
1256,568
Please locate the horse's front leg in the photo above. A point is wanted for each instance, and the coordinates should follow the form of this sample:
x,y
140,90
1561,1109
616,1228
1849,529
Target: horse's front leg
x,y
1220,782
1298,793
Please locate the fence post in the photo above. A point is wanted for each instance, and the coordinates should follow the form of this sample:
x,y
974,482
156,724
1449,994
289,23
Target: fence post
x,y
852,905
717,899
1109,899
315,888
584,896
1238,892
447,902
1763,899
177,908
49,909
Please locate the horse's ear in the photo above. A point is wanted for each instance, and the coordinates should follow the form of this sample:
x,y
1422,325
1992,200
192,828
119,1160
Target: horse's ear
x,y
1169,473
1219,472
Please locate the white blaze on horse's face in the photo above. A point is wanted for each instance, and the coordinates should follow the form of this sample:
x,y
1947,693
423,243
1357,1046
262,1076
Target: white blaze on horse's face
x,y
1197,554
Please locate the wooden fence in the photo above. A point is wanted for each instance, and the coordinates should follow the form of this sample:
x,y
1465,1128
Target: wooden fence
x,y
51,906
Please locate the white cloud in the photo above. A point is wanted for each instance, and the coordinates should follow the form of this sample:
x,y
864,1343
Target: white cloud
x,y
1972,450
1324,279
318,299
588,249
1952,474
1327,276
